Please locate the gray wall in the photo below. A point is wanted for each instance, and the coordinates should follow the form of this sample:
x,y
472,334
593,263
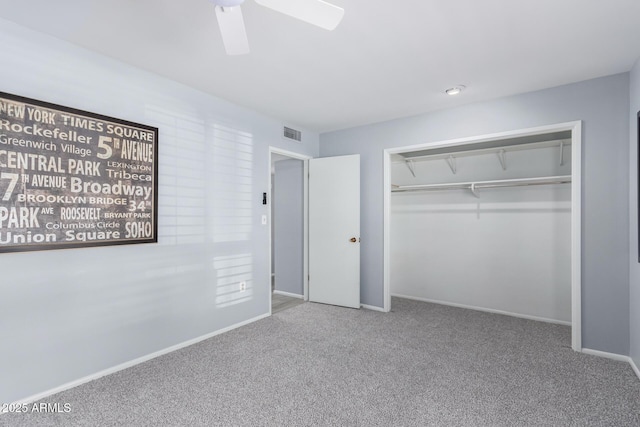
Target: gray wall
x,y
67,314
288,209
603,105
633,217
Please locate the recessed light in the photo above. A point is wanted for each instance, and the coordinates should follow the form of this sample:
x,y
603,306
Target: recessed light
x,y
455,90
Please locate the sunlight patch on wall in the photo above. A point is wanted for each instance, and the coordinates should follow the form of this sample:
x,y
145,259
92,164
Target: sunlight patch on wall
x,y
205,198
182,178
231,180
234,277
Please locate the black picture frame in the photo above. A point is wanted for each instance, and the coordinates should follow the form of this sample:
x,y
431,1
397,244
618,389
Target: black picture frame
x,y
72,178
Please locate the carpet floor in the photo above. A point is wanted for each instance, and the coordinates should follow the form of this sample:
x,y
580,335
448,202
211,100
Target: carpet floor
x,y
316,365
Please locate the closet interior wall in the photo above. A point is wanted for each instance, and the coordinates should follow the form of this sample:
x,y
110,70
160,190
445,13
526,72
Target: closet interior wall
x,y
503,249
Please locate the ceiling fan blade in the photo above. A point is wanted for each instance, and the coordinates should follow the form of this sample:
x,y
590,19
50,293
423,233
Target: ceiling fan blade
x,y
316,12
234,35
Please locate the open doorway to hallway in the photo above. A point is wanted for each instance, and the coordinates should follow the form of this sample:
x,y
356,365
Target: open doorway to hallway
x,y
288,231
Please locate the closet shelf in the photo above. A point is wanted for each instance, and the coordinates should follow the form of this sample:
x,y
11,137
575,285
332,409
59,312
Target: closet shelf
x,y
476,185
447,153
451,154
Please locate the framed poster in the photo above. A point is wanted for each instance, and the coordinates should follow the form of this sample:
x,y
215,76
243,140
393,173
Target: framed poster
x,y
70,178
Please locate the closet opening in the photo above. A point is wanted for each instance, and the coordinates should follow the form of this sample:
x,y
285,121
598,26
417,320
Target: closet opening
x,y
490,223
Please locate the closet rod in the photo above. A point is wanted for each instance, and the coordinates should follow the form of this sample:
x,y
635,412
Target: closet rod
x,y
562,179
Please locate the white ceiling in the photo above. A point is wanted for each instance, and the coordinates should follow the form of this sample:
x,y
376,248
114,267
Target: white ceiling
x,y
386,59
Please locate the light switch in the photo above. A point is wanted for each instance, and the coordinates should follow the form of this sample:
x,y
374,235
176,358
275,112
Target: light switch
x,y
264,220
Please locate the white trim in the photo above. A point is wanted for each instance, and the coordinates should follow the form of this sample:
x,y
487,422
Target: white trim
x,y
576,209
386,233
288,153
305,213
134,362
288,294
487,310
373,307
607,355
305,231
488,137
635,367
576,235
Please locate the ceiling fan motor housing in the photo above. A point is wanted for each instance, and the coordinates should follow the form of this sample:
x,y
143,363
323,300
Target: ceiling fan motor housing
x,y
227,3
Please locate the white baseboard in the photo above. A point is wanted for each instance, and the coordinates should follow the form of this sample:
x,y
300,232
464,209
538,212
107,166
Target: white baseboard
x,y
288,294
133,362
614,356
372,307
635,367
487,310
607,355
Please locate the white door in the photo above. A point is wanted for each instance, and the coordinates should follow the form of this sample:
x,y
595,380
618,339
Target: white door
x,y
334,230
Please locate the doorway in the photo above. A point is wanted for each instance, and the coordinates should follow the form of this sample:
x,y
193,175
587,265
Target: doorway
x,y
574,130
331,244
288,230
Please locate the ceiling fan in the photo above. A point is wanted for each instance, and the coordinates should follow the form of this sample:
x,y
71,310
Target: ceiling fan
x,y
234,36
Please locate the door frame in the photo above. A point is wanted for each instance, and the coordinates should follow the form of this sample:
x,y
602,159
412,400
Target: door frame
x,y
305,213
576,209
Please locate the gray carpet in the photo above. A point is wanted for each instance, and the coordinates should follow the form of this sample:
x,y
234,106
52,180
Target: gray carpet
x,y
317,365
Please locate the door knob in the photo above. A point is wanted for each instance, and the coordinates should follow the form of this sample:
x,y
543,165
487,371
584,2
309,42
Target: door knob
x,y
353,240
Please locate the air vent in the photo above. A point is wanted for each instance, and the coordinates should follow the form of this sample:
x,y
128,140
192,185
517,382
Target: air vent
x,y
289,133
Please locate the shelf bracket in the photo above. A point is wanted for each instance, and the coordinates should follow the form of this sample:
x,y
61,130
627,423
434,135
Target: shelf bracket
x,y
451,161
409,164
474,190
562,153
502,156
